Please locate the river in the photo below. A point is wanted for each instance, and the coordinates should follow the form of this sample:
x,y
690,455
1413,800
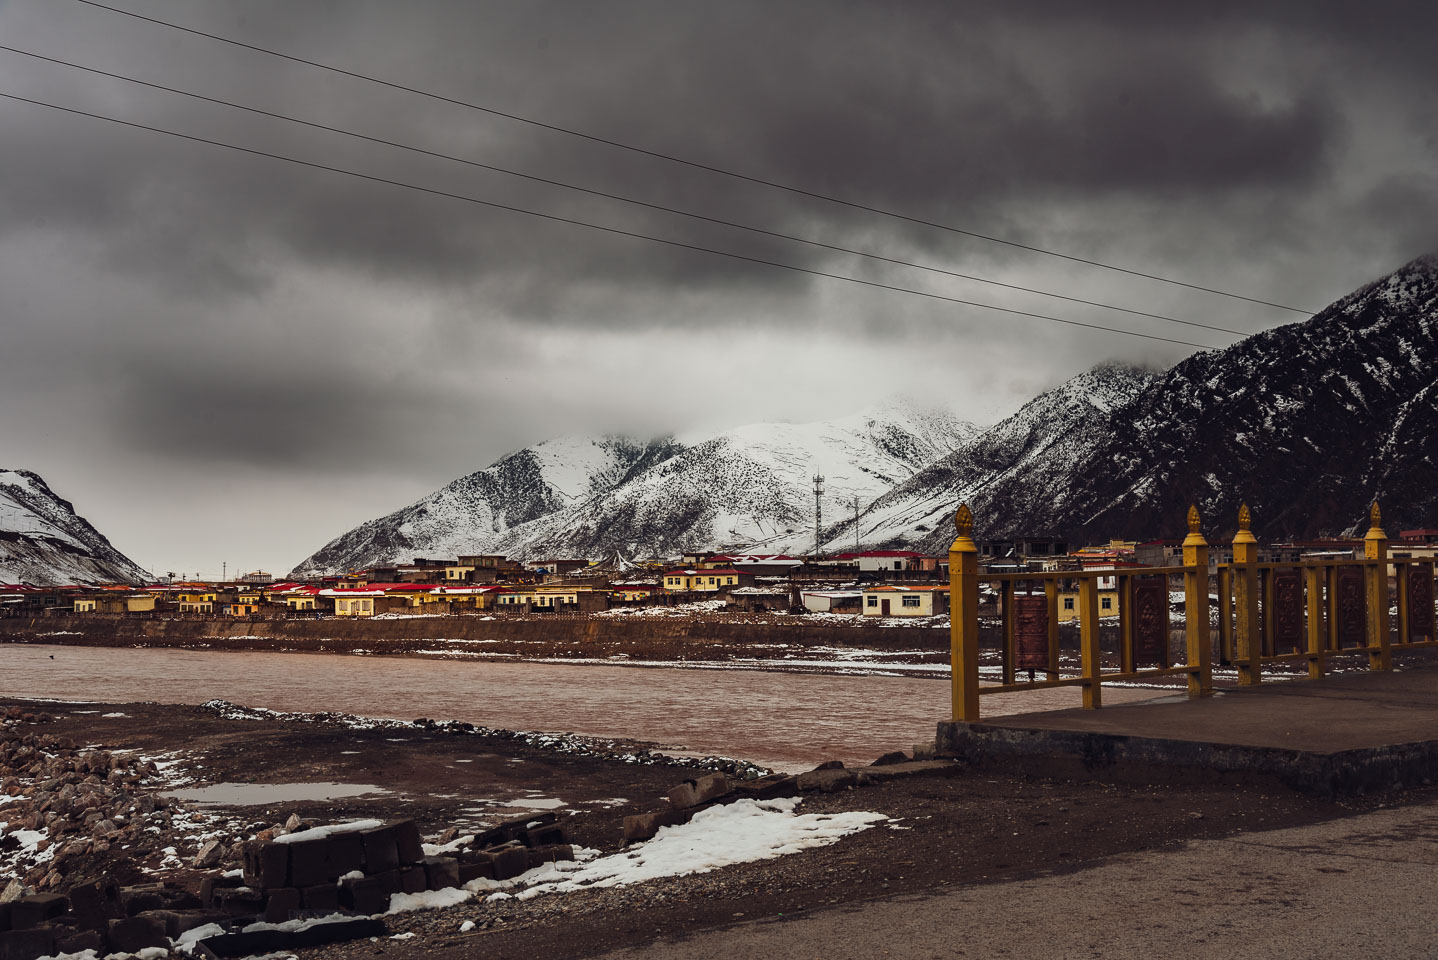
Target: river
x,y
789,721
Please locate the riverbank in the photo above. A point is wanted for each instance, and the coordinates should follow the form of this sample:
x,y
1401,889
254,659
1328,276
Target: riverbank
x,y
816,643
933,830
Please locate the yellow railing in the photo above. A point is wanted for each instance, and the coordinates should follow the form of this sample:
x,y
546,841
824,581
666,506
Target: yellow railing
x,y
1268,613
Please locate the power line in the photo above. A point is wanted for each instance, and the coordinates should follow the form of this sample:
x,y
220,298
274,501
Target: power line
x,y
611,196
800,191
595,226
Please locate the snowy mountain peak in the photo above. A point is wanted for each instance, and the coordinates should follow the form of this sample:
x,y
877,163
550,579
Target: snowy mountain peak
x,y
43,542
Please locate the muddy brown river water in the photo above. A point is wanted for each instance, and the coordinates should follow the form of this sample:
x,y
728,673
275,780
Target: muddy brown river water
x,y
788,721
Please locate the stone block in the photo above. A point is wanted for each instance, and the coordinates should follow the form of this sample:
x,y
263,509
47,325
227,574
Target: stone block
x,y
208,886
539,856
503,833
281,904
337,932
408,844
139,899
826,780
924,751
509,861
768,788
272,866
238,901
258,943
413,879
699,790
80,941
642,826
134,934
391,881
5,916
346,854
544,836
179,921
27,944
309,862
441,872
37,908
366,896
380,852
474,870
322,898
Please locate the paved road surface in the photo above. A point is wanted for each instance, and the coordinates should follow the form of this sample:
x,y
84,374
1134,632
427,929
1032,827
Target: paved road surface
x,y
1366,886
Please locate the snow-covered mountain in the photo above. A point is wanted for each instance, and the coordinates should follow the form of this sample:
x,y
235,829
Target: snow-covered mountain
x,y
43,542
749,487
1042,440
1307,423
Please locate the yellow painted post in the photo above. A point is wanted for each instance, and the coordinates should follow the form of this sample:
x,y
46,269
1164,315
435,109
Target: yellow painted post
x,y
1196,620
964,617
1314,578
1051,593
1375,550
1125,624
1247,649
1088,642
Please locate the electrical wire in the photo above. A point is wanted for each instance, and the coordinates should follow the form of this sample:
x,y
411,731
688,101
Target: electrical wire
x,y
611,196
695,164
595,226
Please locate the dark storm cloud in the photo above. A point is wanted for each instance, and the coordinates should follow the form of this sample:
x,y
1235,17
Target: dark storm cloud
x,y
175,306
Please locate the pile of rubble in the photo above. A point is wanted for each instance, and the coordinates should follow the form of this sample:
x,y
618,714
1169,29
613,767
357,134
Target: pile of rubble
x,y
81,802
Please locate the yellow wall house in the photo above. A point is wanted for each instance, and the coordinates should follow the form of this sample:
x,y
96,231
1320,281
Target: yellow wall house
x,y
915,601
354,603
85,604
196,602
1069,604
699,581
542,599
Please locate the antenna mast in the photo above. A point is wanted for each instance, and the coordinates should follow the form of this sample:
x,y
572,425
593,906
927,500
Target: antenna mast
x,y
818,510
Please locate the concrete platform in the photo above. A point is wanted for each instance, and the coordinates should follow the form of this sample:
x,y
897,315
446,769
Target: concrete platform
x,y
1337,736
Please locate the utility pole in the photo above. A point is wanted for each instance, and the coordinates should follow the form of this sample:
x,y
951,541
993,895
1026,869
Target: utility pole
x,y
224,570
856,524
818,510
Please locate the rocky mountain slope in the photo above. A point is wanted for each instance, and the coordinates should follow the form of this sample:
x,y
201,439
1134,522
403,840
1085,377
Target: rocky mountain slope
x,y
43,542
1307,423
747,488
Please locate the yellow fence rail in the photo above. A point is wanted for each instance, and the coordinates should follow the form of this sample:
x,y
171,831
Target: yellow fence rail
x,y
1305,611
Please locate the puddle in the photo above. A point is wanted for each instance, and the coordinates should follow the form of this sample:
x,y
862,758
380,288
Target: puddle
x,y
254,794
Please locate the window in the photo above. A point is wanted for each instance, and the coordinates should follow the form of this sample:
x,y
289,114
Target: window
x,y
1106,603
1068,603
911,601
873,601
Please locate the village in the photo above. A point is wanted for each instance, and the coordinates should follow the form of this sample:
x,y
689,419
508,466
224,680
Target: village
x,y
864,584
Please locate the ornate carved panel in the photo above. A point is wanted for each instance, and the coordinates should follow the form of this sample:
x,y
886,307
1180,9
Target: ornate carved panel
x,y
1150,621
1420,603
1287,611
1352,607
1031,632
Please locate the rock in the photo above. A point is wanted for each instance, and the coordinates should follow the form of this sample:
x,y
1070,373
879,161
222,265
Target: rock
x,y
209,854
826,779
768,788
294,824
13,891
924,751
897,756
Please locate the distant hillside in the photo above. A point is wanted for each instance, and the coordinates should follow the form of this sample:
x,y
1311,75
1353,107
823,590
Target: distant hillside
x,y
43,542
744,488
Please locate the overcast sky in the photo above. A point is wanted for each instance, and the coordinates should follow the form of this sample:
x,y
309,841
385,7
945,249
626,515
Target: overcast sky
x,y
221,357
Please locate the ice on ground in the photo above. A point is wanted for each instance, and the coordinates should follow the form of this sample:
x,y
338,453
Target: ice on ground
x,y
316,833
112,716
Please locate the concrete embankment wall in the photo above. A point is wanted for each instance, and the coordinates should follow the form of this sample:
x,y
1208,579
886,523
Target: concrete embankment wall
x,y
641,635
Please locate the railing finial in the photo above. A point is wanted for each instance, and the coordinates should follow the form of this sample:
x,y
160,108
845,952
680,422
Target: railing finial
x,y
964,521
1193,518
1245,517
1375,517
